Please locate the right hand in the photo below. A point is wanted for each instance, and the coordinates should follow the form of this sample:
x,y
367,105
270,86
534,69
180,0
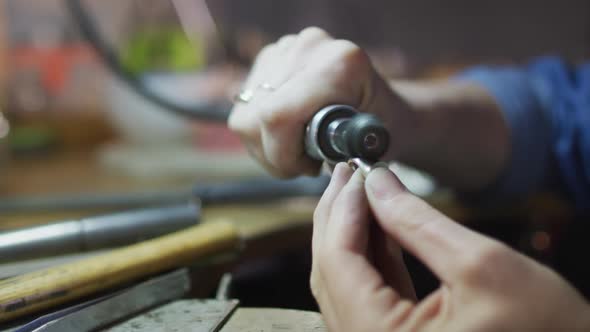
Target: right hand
x,y
361,283
307,72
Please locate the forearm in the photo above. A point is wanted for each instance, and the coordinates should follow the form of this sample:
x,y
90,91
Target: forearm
x,y
460,137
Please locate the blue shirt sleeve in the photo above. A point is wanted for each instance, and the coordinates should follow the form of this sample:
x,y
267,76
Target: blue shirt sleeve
x,y
547,108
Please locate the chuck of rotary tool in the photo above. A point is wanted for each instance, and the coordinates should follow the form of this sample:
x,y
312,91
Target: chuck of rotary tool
x,y
339,132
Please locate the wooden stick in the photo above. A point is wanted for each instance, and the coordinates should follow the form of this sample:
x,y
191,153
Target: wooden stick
x,y
42,289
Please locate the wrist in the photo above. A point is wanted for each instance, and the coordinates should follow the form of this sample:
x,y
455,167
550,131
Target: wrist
x,y
458,133
420,130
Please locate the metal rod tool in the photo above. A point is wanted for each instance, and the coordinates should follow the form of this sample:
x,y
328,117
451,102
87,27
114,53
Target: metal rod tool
x,y
94,233
57,285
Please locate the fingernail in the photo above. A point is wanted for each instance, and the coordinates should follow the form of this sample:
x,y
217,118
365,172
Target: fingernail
x,y
338,169
339,172
382,184
357,179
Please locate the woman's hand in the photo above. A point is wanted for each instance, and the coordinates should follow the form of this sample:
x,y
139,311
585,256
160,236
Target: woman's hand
x,y
296,77
361,284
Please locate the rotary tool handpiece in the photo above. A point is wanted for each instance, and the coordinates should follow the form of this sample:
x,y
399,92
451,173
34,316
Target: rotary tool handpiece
x,y
339,132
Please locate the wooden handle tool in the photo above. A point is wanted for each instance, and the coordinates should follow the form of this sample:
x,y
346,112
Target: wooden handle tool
x,y
43,289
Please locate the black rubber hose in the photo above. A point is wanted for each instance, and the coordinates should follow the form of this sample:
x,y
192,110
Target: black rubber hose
x,y
217,112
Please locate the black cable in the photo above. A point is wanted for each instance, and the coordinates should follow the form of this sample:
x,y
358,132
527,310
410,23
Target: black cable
x,y
217,112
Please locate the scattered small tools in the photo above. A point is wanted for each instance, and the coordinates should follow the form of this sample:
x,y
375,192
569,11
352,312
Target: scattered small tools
x,y
108,309
123,228
43,289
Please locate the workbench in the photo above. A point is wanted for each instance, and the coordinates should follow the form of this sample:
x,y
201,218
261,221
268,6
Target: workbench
x,y
279,228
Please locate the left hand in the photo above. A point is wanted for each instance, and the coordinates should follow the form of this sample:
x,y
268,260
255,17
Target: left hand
x,y
361,284
297,76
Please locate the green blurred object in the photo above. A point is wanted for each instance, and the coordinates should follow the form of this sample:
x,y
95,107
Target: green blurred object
x,y
31,138
163,49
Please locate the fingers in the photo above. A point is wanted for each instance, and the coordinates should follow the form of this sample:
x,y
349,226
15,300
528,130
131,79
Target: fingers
x,y
446,247
285,43
290,81
298,49
340,177
388,259
293,55
284,116
350,286
348,227
308,38
273,66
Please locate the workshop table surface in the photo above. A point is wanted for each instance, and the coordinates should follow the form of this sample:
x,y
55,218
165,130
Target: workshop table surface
x,y
268,227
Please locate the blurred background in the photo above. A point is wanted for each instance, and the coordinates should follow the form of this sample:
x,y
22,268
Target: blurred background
x,y
70,126
59,97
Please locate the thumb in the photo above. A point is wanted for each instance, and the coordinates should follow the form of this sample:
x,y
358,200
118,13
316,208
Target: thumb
x,y
432,237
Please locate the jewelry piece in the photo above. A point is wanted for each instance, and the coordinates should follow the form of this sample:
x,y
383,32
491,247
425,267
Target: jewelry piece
x,y
364,166
244,96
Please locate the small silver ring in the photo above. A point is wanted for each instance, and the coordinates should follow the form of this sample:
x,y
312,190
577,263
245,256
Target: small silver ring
x,y
364,166
246,95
